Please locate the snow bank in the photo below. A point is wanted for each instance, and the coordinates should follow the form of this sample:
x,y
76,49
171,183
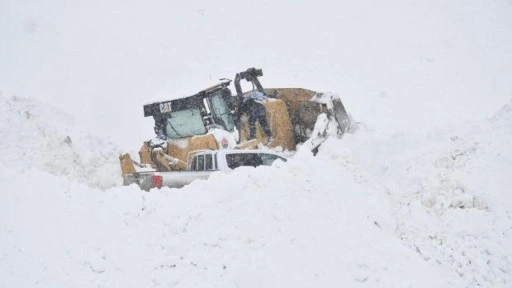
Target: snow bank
x,y
374,209
450,193
270,227
35,135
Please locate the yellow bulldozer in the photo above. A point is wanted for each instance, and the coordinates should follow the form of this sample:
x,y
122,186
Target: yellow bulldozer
x,y
215,119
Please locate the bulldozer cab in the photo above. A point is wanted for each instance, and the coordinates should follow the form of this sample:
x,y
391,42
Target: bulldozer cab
x,y
194,115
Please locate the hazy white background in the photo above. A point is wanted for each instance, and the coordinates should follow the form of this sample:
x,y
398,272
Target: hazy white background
x,y
391,61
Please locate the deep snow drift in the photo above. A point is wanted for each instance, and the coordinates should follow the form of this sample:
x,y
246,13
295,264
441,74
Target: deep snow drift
x,y
372,209
37,136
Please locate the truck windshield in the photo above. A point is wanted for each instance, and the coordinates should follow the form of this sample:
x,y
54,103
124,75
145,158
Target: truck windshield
x,y
185,123
251,159
221,114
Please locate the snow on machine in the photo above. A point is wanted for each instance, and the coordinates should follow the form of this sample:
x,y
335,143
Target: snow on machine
x,y
216,119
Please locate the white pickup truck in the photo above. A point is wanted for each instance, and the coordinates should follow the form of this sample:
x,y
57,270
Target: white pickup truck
x,y
202,163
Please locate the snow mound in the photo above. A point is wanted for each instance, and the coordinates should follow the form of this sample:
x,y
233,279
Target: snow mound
x,y
35,135
378,208
450,192
271,227
310,221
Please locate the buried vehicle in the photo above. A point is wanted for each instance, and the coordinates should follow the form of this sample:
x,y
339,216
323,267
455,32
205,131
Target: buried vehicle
x,y
202,163
216,119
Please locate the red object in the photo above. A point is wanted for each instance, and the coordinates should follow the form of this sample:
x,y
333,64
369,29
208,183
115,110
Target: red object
x,y
157,181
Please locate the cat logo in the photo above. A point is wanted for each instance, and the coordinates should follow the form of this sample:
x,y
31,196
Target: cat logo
x,y
165,107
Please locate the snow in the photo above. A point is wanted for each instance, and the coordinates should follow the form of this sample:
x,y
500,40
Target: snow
x,y
37,135
366,211
418,196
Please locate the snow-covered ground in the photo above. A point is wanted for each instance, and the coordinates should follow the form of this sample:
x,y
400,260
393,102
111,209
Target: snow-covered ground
x,y
372,209
419,196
